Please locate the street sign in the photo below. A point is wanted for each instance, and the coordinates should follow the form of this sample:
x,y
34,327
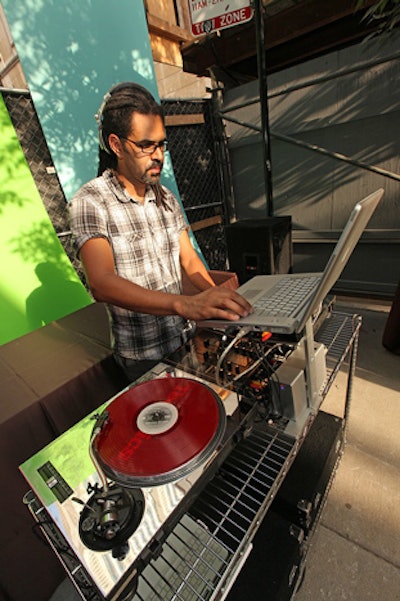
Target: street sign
x,y
212,15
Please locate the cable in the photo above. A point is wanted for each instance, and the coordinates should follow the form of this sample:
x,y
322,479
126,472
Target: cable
x,y
242,332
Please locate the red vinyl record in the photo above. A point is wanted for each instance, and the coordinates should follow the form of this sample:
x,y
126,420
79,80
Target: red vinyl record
x,y
159,431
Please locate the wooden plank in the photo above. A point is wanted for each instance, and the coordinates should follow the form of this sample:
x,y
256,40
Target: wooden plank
x,y
167,30
164,10
204,223
165,50
176,120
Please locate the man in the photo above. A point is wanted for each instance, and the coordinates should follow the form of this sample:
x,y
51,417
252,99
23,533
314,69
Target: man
x,y
133,241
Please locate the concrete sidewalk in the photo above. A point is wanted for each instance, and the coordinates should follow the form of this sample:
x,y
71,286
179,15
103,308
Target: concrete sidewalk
x,y
355,552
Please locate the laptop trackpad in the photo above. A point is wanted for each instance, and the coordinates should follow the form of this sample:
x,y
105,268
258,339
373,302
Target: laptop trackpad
x,y
251,293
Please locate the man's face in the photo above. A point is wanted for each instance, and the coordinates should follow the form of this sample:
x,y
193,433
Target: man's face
x,y
143,154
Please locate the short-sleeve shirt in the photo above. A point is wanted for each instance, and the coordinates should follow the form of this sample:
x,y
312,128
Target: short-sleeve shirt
x,y
144,238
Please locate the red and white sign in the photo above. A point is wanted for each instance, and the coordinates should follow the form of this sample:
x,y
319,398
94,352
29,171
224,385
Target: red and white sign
x,y
212,15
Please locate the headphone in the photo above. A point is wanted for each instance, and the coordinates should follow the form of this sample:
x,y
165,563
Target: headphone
x,y
99,116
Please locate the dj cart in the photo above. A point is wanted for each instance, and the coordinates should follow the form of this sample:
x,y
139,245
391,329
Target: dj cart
x,y
248,518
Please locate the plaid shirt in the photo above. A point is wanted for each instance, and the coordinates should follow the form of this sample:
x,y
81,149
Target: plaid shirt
x,y
145,242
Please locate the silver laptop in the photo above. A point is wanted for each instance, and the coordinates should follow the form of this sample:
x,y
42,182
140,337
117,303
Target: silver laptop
x,y
283,303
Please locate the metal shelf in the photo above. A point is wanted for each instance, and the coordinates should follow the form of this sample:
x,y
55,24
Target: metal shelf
x,y
228,510
232,505
202,555
339,333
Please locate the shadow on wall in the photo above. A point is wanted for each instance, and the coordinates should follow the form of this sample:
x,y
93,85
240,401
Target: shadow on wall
x,y
354,114
56,296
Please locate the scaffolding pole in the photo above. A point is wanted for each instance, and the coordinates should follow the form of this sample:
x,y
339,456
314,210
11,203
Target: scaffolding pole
x,y
262,80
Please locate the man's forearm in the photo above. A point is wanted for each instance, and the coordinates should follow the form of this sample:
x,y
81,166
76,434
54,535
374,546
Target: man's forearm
x,y
118,291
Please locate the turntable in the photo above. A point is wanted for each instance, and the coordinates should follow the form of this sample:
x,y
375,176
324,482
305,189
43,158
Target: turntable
x,y
118,481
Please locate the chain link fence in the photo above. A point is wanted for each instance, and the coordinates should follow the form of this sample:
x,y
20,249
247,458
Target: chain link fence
x,y
194,150
33,143
194,145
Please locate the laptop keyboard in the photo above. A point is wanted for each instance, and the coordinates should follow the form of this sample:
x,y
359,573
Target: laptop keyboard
x,y
286,297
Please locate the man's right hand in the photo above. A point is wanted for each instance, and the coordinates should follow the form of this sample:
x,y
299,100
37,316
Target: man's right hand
x,y
216,302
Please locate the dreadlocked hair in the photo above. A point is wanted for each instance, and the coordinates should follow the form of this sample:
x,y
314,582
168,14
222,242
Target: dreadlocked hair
x,y
115,117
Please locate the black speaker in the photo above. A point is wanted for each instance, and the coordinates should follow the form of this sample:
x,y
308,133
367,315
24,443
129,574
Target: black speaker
x,y
303,492
273,568
259,246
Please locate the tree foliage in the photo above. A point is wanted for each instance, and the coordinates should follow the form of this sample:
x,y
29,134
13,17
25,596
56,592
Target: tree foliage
x,y
385,13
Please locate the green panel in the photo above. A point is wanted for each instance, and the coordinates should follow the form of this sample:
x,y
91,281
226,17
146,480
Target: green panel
x,y
37,282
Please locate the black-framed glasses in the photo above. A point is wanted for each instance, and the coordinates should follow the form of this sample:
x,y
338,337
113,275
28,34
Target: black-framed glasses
x,y
148,147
